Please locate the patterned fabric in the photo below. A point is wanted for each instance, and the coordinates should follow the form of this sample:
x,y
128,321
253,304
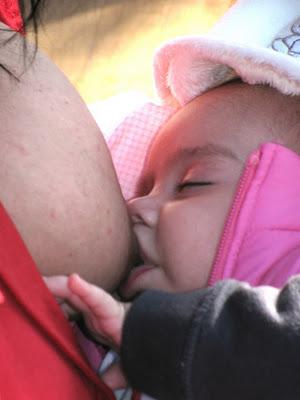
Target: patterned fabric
x,y
129,143
94,353
121,394
288,42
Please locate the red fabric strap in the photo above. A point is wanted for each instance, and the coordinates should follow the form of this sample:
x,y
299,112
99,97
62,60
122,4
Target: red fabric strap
x,y
10,15
39,356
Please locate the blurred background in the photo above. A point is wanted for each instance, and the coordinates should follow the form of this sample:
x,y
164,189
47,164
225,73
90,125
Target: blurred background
x,y
106,47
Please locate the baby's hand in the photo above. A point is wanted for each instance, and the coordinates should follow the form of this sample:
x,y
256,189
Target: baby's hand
x,y
58,286
104,316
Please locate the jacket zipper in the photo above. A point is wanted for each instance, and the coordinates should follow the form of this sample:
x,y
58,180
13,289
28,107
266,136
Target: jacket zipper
x,y
228,232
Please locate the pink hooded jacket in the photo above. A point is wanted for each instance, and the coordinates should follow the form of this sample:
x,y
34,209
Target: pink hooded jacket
x,y
261,239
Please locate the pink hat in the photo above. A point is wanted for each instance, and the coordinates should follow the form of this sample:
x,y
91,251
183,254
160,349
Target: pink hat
x,y
256,40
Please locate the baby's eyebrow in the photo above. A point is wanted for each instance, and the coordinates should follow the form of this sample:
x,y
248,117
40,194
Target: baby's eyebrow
x,y
206,151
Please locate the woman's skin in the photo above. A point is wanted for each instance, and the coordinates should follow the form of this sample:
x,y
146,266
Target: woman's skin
x,y
57,180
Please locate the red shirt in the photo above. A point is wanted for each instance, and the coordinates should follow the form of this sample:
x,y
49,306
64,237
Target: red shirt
x,y
39,357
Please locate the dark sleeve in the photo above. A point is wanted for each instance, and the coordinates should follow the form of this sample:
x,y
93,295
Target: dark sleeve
x,y
229,341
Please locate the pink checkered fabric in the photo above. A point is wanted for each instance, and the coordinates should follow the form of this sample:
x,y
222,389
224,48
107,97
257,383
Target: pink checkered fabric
x,y
130,141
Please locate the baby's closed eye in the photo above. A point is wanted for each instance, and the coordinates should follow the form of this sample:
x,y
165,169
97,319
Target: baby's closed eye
x,y
190,184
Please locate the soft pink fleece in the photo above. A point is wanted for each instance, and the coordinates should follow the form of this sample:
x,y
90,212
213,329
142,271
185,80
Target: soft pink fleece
x,y
264,243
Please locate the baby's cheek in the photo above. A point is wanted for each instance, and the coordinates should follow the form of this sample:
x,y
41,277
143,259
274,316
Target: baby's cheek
x,y
188,236
178,234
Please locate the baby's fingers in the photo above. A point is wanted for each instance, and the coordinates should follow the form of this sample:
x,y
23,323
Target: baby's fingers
x,y
107,314
98,300
58,286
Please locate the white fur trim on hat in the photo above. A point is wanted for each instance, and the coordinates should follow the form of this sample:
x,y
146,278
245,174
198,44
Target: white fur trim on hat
x,y
256,40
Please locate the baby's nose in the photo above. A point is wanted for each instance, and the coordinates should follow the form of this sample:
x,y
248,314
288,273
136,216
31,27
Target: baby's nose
x,y
144,210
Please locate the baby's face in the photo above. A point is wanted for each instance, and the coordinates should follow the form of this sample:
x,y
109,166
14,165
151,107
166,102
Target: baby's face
x,y
189,182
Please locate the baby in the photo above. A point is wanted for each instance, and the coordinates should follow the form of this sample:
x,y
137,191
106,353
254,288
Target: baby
x,y
217,198
190,179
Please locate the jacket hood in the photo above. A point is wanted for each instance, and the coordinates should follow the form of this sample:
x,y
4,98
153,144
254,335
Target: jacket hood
x,y
261,239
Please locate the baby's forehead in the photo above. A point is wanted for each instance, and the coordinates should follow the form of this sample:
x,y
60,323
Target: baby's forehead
x,y
238,103
234,112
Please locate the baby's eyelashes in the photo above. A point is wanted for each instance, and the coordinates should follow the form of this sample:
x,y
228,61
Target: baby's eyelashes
x,y
191,184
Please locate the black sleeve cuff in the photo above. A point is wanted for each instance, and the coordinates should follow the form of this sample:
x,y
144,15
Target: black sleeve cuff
x,y
154,340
